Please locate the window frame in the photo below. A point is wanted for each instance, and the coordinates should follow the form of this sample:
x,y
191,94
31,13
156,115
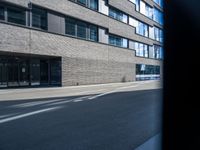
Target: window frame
x,y
11,19
87,29
41,9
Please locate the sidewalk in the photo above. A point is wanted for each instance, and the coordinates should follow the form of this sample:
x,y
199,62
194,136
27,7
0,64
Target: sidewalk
x,y
33,93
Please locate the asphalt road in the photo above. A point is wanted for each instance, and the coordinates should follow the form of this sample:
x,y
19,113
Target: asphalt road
x,y
114,121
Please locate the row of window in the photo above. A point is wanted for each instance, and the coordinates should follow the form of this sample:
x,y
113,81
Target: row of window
x,y
145,9
39,20
73,27
141,28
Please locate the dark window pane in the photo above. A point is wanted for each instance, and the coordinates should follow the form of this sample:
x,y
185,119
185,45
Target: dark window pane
x,y
16,15
39,18
116,14
93,33
70,26
117,41
93,4
2,13
83,2
81,30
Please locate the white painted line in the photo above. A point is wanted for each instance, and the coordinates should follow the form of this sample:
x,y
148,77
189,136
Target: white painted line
x,y
8,115
96,96
30,104
71,100
78,100
28,114
113,91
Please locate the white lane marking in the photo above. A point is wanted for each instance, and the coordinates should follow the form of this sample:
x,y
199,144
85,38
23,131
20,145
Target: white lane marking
x,y
28,114
99,95
8,115
113,91
71,100
85,92
30,104
78,100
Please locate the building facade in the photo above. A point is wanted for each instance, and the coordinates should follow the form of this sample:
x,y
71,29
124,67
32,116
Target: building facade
x,y
76,42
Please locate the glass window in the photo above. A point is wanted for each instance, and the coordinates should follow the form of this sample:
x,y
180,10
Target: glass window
x,y
81,29
147,72
93,33
118,41
158,16
137,4
118,15
149,12
93,4
158,34
157,52
142,8
39,18
151,32
141,28
159,2
2,17
83,2
70,26
141,49
16,15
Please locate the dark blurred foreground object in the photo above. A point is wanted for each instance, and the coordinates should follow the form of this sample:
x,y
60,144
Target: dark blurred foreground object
x,y
181,126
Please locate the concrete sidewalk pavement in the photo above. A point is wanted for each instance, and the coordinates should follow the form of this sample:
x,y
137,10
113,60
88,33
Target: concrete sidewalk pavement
x,y
34,93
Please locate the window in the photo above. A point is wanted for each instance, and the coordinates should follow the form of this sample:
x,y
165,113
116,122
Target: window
x,y
83,2
70,26
157,52
39,18
93,4
142,7
158,16
93,33
16,15
141,28
146,10
159,2
2,16
118,41
137,4
158,34
81,29
147,72
118,15
141,49
149,12
151,32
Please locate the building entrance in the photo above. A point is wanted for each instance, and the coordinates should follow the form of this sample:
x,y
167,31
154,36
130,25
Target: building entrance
x,y
18,71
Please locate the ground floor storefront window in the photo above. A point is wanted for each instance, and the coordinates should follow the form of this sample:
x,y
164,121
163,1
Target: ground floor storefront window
x,y
16,71
147,72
